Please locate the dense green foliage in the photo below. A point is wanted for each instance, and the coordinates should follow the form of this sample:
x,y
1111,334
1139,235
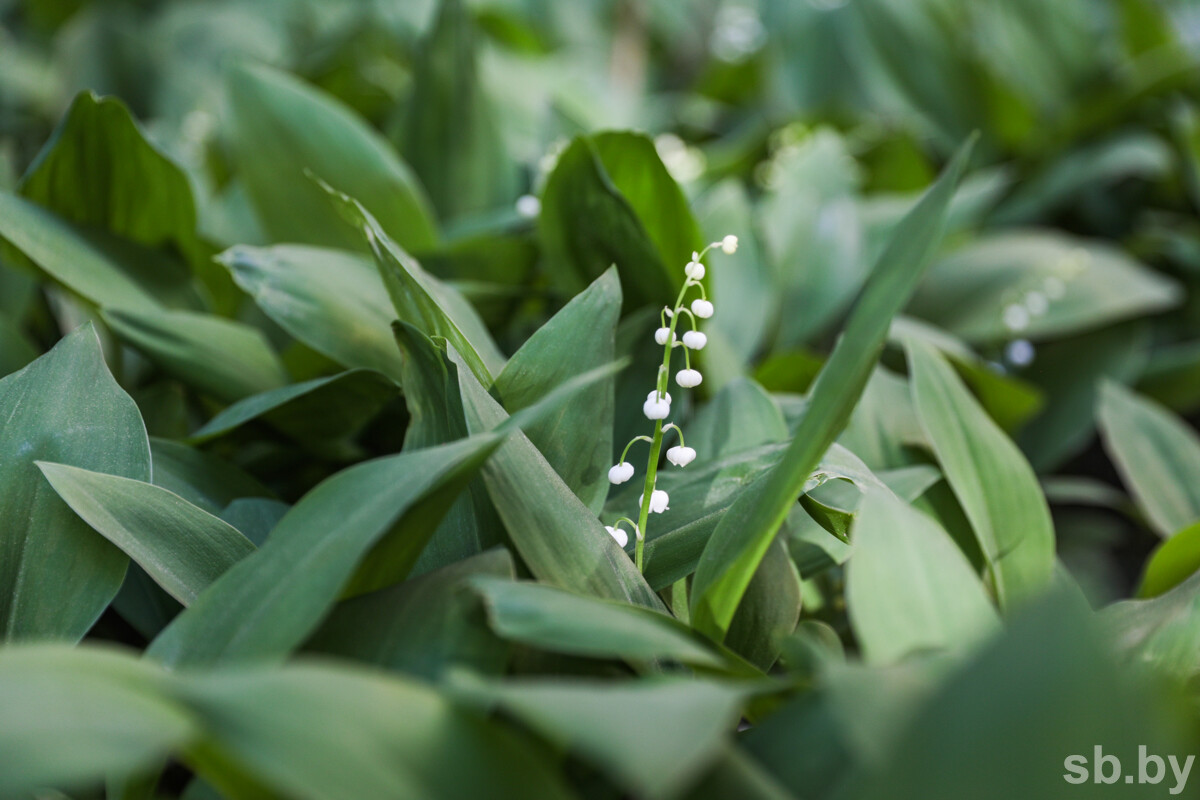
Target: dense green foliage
x,y
322,324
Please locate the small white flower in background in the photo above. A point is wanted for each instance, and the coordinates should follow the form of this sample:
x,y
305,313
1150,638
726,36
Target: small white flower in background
x,y
687,378
620,472
1036,303
528,206
702,308
694,270
729,245
695,340
1019,352
657,407
661,335
621,536
658,501
681,456
1016,318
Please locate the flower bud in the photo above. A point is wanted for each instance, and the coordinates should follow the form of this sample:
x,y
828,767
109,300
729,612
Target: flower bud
x,y
620,473
621,536
694,270
658,501
681,456
661,335
687,378
729,244
702,308
695,340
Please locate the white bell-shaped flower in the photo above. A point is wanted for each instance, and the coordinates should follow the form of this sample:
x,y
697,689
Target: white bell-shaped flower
x,y
657,395
657,407
695,340
620,472
681,456
658,501
687,378
619,535
662,334
729,244
702,308
694,270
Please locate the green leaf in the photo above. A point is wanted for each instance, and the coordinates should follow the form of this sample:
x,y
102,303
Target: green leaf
x,y
270,601
321,410
333,301
652,737
558,537
769,610
99,170
1160,632
744,534
99,267
452,135
56,574
587,224
741,416
220,357
1004,696
1057,285
328,733
179,545
577,442
71,716
16,350
884,422
1172,562
422,626
421,299
559,621
993,482
909,588
1157,454
285,130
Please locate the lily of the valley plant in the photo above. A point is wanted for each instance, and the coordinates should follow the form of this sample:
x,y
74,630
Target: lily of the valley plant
x,y
658,402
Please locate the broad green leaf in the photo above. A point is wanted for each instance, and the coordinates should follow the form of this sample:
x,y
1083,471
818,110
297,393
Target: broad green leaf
x,y
201,478
1172,562
331,300
16,350
741,416
909,588
452,135
71,716
1157,454
421,299
422,626
435,412
884,422
1037,284
652,737
744,534
285,131
179,545
57,575
736,774
1172,376
1045,690
99,170
255,517
330,732
270,601
1160,631
221,357
557,536
560,621
993,482
321,410
588,225
97,266
769,610
577,442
